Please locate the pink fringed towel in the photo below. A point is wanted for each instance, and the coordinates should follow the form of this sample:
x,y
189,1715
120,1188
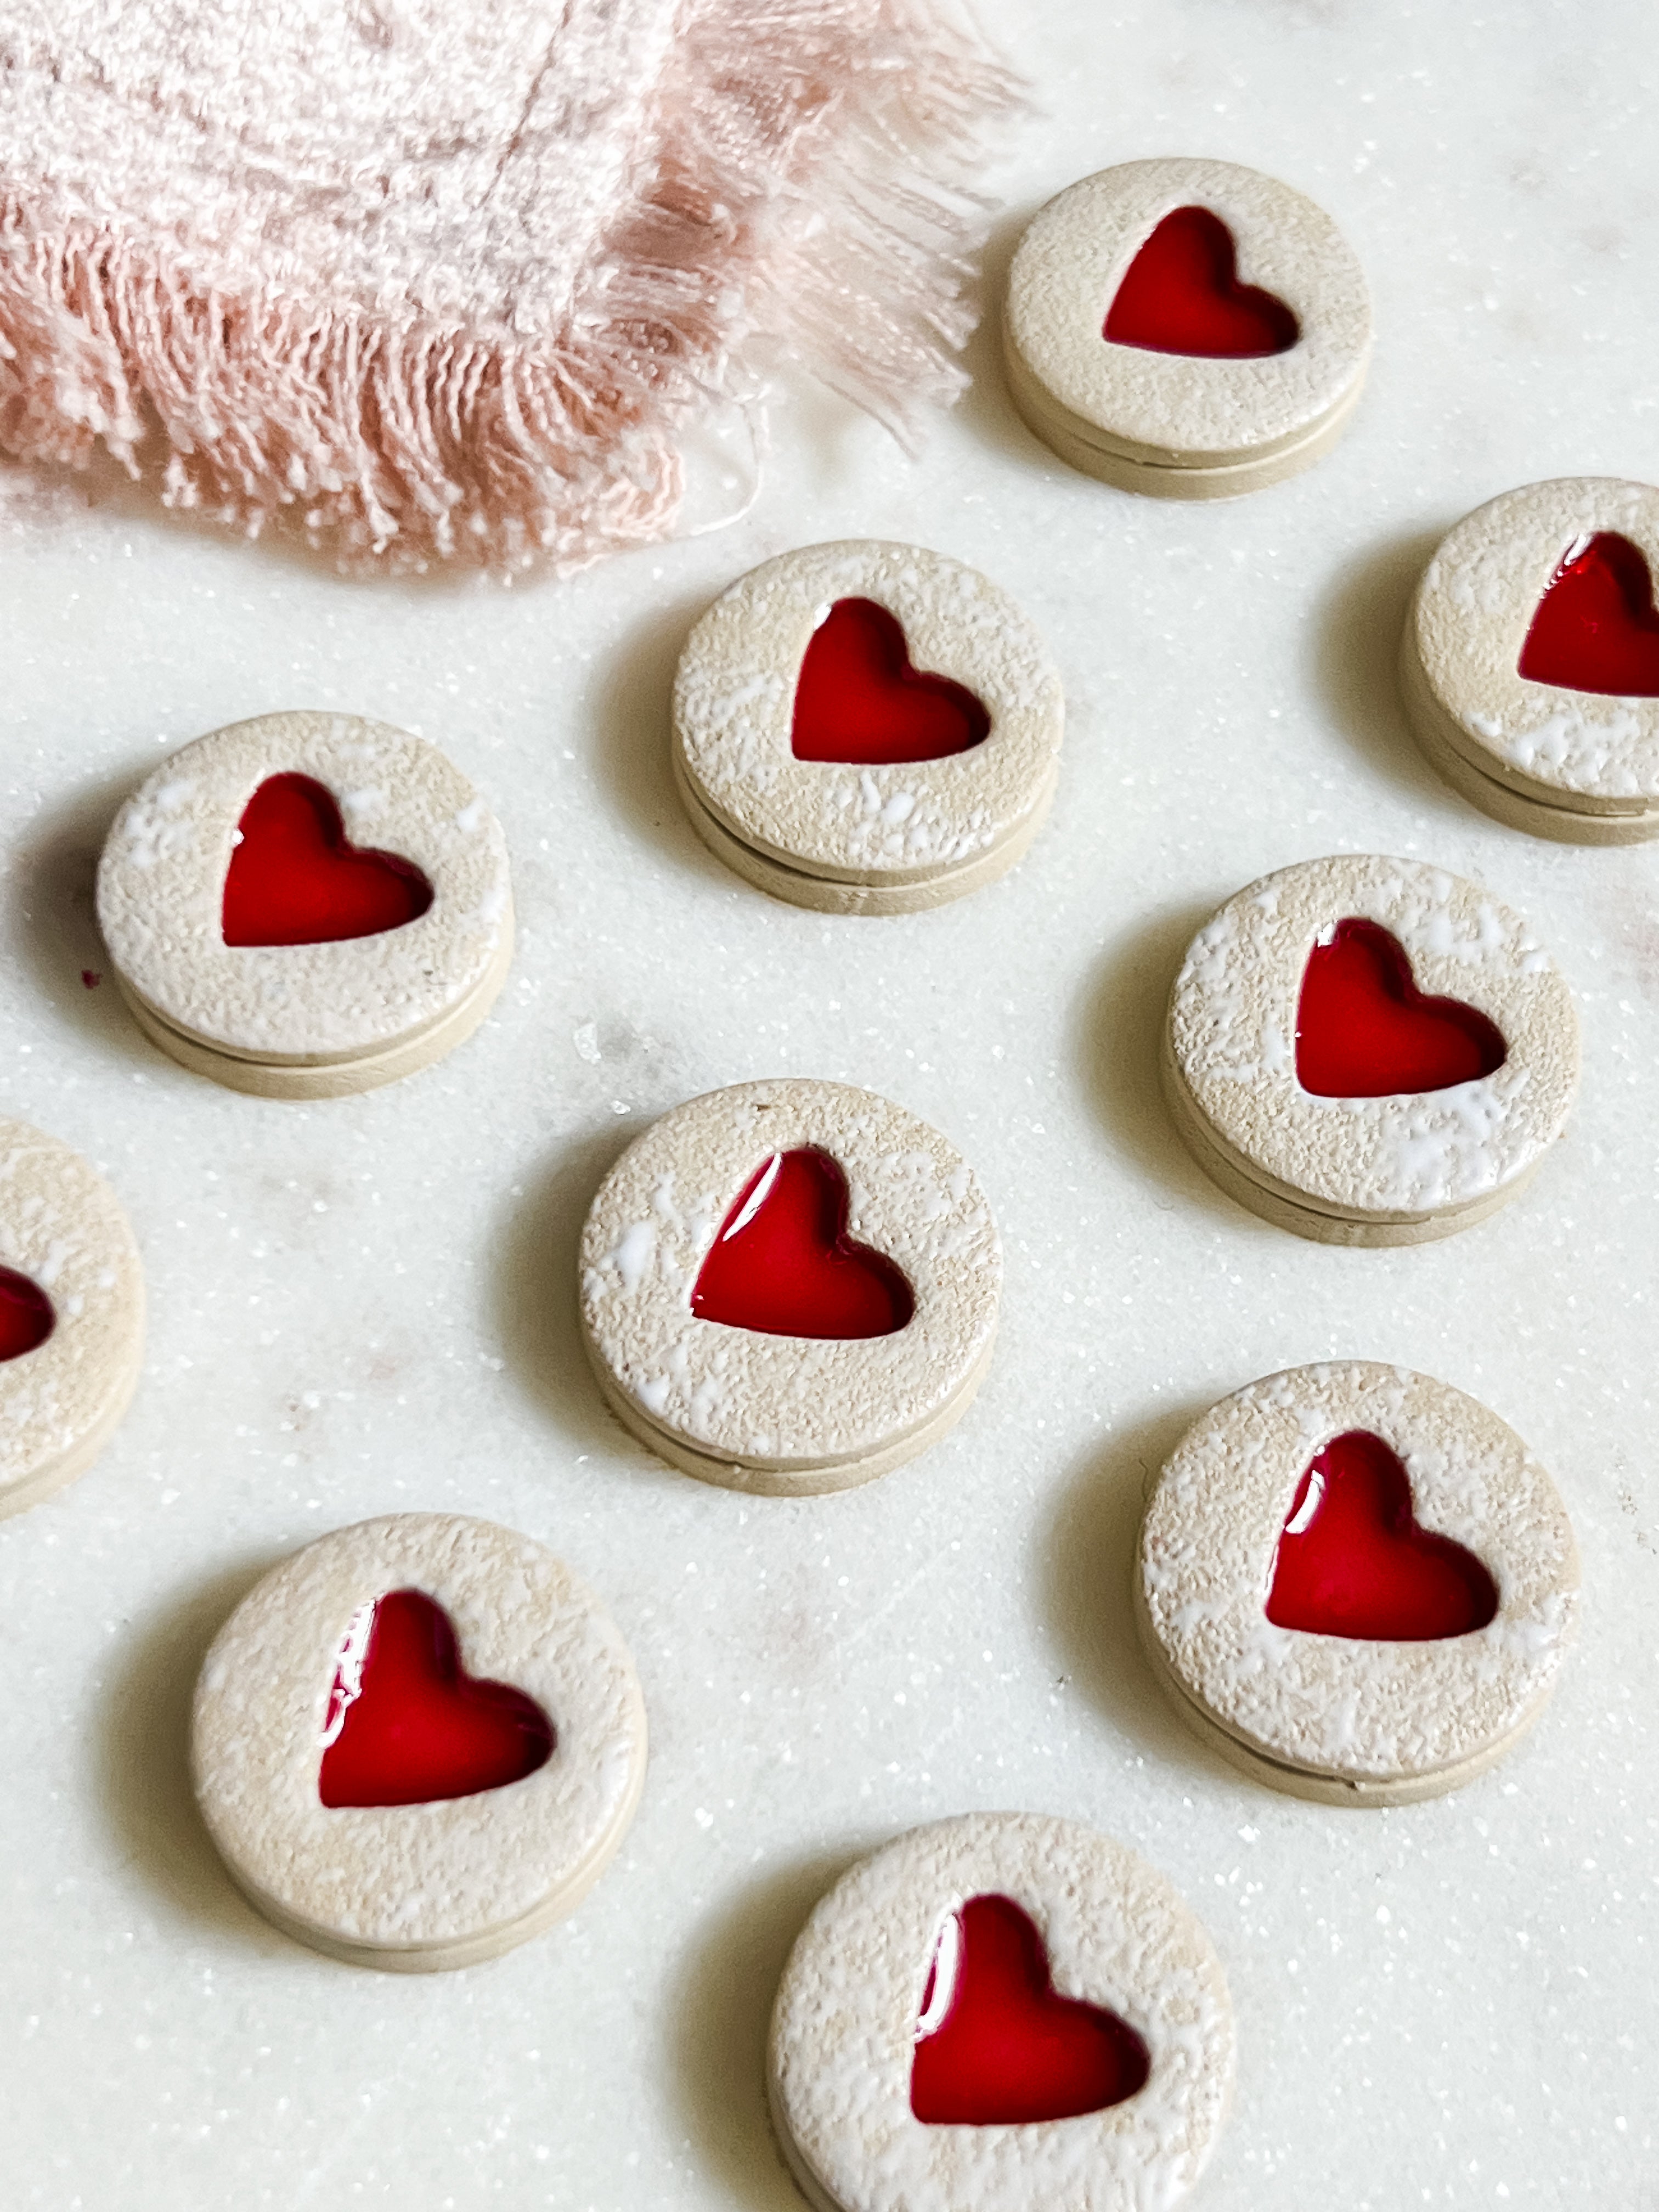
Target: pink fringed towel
x,y
443,279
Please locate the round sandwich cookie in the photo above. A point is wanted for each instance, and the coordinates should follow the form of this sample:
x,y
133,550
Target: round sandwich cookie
x,y
307,905
72,1315
1002,2012
1369,1051
1356,1584
1190,329
789,1286
1529,663
418,1742
867,728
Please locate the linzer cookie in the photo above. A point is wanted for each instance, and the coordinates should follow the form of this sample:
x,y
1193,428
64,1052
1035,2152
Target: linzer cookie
x,y
1002,2012
789,1286
307,905
1369,1051
1356,1584
72,1315
1186,328
418,1742
1529,665
867,728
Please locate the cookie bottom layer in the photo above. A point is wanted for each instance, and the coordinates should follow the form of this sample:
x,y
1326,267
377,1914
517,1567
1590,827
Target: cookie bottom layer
x,y
833,894
1081,445
461,1950
811,2187
1518,803
344,1078
815,1479
1319,1786
1245,1183
54,1474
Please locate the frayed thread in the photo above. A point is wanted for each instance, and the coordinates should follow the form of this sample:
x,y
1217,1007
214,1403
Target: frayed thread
x,y
805,189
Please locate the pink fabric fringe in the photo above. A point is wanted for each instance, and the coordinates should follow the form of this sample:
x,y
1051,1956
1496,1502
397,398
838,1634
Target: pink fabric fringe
x,y
805,189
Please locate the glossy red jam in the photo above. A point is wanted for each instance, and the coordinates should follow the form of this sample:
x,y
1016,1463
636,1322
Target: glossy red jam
x,y
858,698
996,2046
783,1263
1596,627
26,1318
1364,1030
295,879
1351,1561
1181,294
408,1725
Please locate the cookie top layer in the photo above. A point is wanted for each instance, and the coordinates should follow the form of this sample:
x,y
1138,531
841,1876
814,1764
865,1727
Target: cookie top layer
x,y
734,700
1232,1033
461,1870
776,1400
1469,623
845,2024
62,1227
162,880
1179,408
1352,1707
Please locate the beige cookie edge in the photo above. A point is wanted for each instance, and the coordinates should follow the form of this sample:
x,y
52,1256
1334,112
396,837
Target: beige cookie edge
x,y
1270,1202
816,2192
1517,803
1313,1785
490,1943
820,1479
796,887
45,1481
1166,476
304,1081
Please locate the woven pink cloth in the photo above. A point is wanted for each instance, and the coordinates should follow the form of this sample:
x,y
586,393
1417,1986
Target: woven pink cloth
x,y
443,279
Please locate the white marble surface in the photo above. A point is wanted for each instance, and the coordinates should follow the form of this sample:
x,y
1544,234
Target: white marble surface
x,y
370,1305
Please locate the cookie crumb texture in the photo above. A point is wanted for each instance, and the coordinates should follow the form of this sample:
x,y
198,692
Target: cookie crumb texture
x,y
897,834
63,1228
1186,425
160,900
1411,1162
1117,1936
1590,756
1384,1721
774,1413
422,1887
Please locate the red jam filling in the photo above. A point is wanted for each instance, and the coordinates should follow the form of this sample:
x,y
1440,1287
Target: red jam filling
x,y
295,879
26,1314
1596,627
1364,1030
407,1725
783,1263
1353,1561
996,2046
859,699
1181,294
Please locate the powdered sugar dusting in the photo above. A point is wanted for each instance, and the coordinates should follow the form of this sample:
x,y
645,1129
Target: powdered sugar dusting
x,y
1352,1707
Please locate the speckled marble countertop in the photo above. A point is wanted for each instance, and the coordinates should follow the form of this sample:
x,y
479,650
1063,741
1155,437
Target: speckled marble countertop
x,y
371,1304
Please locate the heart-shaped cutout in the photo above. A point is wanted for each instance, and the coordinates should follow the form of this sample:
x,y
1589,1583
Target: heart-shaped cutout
x,y
1596,627
408,1725
1353,1561
294,878
784,1265
857,699
1364,1030
1181,294
996,2046
26,1318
